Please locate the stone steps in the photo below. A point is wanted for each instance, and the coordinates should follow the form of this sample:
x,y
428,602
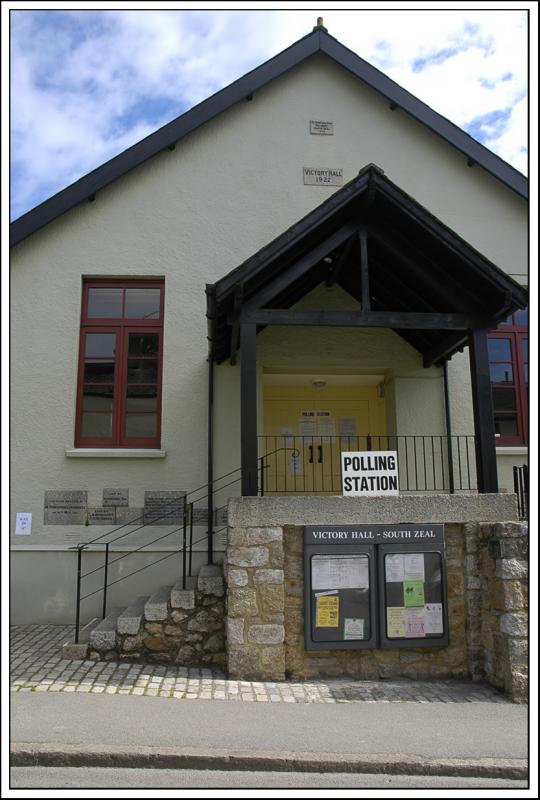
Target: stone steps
x,y
79,651
130,620
172,624
103,636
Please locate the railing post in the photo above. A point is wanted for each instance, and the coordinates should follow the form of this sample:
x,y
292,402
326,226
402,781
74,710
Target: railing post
x,y
184,532
78,601
105,580
190,537
261,460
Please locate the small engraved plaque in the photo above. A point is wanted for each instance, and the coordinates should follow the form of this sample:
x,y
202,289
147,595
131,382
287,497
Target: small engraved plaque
x,y
116,497
221,516
101,516
323,176
164,508
65,507
319,127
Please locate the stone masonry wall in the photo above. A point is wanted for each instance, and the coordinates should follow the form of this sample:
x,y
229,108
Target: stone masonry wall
x,y
255,603
497,600
487,610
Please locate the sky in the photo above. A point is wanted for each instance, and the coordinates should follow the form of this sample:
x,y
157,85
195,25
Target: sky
x,y
87,84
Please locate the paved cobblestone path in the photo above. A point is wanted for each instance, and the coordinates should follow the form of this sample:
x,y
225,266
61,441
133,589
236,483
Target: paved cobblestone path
x,y
37,666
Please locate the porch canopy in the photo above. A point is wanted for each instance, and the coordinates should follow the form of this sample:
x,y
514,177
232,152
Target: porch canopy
x,y
407,270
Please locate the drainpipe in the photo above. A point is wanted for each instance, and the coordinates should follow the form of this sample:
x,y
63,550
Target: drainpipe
x,y
210,315
448,428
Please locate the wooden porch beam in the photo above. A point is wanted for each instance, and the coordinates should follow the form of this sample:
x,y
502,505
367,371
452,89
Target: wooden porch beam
x,y
369,319
342,260
300,267
364,270
484,427
235,332
248,408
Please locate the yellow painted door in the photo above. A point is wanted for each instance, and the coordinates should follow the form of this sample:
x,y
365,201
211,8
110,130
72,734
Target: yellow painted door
x,y
306,428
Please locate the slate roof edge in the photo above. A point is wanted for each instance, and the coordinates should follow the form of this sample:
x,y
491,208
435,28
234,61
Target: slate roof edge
x,y
87,186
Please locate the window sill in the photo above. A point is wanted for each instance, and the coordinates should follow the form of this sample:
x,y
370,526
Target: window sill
x,y
113,452
512,450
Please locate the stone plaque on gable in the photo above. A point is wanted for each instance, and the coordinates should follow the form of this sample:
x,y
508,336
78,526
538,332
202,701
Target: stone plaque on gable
x,y
65,507
323,176
319,127
164,508
115,497
101,516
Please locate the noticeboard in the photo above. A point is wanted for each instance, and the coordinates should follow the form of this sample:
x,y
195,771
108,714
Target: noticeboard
x,y
370,586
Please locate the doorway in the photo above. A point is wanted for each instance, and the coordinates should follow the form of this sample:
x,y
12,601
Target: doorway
x,y
308,420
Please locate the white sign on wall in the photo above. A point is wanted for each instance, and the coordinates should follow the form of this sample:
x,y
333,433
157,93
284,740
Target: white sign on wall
x,y
23,524
370,473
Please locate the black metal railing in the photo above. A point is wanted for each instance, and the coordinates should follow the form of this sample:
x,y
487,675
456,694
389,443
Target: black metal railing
x,y
183,510
312,464
521,488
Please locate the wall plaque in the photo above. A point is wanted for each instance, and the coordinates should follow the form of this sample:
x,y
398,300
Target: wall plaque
x,y
320,127
65,507
101,516
323,176
164,508
116,497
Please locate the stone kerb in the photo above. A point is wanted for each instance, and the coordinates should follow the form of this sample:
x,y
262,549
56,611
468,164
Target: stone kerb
x,y
255,603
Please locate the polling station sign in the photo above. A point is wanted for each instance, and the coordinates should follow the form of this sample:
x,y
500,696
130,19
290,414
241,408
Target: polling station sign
x,y
369,474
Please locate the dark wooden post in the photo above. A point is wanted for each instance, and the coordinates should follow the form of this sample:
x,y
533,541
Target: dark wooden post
x,y
248,407
486,457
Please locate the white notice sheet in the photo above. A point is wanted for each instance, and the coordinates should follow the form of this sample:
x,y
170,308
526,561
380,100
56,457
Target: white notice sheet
x,y
395,568
339,572
413,567
433,621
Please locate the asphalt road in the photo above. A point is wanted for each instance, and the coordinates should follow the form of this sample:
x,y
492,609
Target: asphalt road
x,y
109,778
431,730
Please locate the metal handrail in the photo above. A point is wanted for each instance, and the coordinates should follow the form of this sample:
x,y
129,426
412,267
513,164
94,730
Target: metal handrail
x,y
187,557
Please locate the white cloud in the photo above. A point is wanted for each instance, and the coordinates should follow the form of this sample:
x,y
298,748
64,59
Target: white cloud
x,y
94,82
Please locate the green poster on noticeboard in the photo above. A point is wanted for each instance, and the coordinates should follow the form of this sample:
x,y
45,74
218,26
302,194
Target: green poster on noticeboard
x,y
413,592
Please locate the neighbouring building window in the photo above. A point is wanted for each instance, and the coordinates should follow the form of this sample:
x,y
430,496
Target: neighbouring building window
x,y
508,349
121,345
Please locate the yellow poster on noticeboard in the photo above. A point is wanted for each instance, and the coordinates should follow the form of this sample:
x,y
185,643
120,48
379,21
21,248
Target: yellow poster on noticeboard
x,y
327,611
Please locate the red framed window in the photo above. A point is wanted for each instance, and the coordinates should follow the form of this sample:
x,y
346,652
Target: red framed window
x,y
120,361
508,349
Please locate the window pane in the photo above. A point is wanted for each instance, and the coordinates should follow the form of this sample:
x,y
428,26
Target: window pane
x,y
96,425
504,399
141,425
506,425
501,373
525,348
143,344
499,350
141,398
522,317
100,344
97,398
98,371
105,303
142,303
142,371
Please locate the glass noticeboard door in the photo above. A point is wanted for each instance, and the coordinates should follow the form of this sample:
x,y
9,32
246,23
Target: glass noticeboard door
x,y
412,586
340,599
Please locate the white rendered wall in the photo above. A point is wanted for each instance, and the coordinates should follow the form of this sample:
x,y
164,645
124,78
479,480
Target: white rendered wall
x,y
192,215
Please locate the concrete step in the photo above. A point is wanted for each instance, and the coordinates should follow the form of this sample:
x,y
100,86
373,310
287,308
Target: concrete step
x,y
103,637
157,606
79,651
130,620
